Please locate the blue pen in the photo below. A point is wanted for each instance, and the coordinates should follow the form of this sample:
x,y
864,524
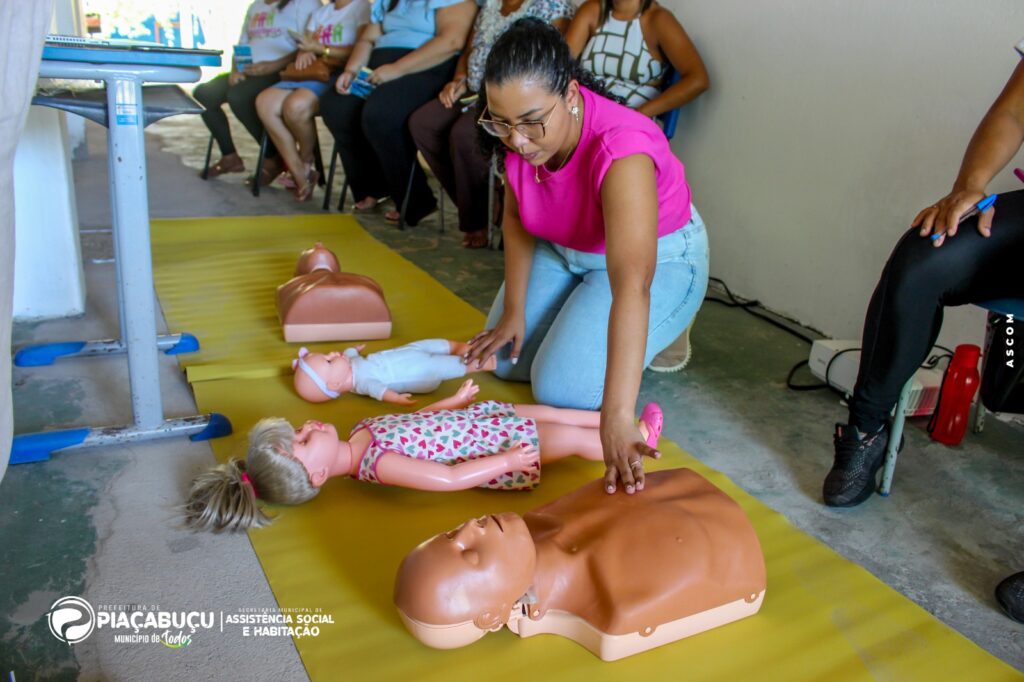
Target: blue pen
x,y
980,207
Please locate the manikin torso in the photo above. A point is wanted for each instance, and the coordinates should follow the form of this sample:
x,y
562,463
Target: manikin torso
x,y
321,303
619,574
692,545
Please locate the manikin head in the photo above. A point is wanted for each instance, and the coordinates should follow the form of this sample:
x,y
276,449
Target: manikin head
x,y
317,258
321,377
458,586
283,466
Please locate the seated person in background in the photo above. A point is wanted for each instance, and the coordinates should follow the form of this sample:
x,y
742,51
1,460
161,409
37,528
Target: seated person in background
x,y
266,31
411,45
288,108
937,263
627,43
619,575
445,128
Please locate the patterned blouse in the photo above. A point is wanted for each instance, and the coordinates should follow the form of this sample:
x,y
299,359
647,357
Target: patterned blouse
x,y
618,55
490,24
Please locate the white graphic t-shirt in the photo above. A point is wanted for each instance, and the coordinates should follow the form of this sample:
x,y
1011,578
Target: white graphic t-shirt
x,y
331,26
266,27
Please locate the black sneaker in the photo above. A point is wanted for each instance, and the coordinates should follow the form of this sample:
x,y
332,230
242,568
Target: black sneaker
x,y
1010,595
858,459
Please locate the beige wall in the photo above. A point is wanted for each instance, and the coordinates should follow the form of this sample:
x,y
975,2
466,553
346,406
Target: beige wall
x,y
828,125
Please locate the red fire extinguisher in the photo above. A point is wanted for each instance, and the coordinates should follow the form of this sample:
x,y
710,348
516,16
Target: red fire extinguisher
x,y
949,422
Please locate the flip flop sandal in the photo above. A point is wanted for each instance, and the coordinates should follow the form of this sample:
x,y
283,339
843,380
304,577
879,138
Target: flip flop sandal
x,y
654,419
475,240
220,168
286,180
370,209
305,191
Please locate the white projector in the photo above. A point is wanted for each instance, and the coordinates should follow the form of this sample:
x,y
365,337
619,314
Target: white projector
x,y
842,374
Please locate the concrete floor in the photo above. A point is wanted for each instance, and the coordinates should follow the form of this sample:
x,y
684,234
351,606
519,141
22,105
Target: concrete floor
x,y
100,523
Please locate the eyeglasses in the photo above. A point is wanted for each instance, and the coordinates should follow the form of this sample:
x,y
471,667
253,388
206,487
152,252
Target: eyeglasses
x,y
531,130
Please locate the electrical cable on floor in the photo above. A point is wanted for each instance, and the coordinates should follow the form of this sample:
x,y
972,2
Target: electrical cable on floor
x,y
750,306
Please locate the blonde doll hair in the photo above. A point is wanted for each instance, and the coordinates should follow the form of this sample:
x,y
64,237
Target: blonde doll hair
x,y
225,497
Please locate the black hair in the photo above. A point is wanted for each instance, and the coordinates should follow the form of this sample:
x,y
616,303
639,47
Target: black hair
x,y
535,49
606,9
283,3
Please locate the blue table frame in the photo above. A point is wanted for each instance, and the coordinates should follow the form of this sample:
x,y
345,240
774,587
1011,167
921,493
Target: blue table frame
x,y
123,72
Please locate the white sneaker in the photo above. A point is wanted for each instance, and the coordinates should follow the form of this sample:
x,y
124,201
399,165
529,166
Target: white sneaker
x,y
676,356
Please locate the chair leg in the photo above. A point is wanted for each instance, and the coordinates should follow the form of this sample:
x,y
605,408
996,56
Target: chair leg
x,y
493,224
259,165
341,199
490,205
441,210
895,436
408,191
979,416
979,408
206,166
330,178
318,163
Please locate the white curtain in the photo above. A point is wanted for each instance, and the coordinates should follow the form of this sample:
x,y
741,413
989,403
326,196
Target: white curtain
x,y
23,24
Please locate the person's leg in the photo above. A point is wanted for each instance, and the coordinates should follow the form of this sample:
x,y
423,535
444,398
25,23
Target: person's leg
x,y
674,356
300,109
558,441
902,324
905,314
431,127
213,95
270,105
471,170
569,370
550,285
342,114
385,124
679,285
241,98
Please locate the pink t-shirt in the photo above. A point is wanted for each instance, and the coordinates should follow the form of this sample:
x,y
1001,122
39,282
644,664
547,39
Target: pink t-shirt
x,y
565,207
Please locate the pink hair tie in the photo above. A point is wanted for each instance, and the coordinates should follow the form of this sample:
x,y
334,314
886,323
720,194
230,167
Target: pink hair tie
x,y
248,481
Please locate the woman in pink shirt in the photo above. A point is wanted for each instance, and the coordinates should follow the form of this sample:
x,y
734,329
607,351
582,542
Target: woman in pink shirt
x,y
606,260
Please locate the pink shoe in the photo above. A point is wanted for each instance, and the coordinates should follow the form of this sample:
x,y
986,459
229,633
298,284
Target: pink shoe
x,y
654,419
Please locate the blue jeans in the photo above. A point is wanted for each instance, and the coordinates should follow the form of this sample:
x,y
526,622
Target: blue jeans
x,y
568,300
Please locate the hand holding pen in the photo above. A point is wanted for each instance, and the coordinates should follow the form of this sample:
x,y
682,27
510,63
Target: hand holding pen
x,y
942,219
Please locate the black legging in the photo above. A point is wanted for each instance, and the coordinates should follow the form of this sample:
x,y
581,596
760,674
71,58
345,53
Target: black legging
x,y
373,137
905,313
241,97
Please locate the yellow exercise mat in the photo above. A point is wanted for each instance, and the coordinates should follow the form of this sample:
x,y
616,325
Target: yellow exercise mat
x,y
823,618
217,278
